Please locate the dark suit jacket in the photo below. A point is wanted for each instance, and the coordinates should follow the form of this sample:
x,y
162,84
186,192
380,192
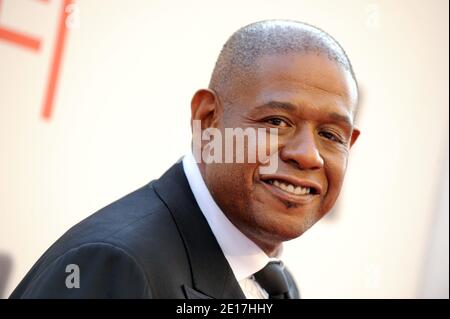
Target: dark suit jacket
x,y
152,243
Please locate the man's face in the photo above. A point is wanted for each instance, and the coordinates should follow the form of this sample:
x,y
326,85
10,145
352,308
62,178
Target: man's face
x,y
310,100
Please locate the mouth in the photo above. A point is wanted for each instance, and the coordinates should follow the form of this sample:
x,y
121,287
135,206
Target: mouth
x,y
288,188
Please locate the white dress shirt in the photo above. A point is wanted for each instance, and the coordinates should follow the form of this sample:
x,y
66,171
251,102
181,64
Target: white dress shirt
x,y
243,255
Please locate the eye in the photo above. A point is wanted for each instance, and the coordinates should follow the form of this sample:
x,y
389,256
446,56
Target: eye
x,y
276,121
331,136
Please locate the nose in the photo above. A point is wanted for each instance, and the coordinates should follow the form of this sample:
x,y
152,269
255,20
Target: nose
x,y
301,150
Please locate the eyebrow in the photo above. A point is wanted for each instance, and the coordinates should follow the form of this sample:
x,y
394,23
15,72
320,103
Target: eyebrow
x,y
286,106
341,118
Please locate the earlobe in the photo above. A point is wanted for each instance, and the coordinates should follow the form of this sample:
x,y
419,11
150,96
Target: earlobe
x,y
205,108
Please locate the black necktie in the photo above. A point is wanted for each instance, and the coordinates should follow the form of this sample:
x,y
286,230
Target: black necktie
x,y
273,279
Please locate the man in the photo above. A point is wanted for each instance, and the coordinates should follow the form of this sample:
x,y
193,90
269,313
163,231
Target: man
x,y
214,229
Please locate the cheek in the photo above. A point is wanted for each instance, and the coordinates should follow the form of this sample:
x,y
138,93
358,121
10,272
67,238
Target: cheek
x,y
334,167
231,180
232,187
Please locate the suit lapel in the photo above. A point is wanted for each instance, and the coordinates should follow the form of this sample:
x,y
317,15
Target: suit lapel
x,y
211,273
191,293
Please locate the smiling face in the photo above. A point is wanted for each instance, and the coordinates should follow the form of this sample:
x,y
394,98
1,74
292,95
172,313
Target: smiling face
x,y
311,100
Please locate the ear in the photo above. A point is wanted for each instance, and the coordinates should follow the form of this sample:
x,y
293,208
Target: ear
x,y
206,107
355,135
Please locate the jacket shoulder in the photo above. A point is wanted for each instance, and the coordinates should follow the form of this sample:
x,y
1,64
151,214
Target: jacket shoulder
x,y
88,271
125,213
122,240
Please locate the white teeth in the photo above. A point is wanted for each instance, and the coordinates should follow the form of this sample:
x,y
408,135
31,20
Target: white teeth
x,y
297,190
290,188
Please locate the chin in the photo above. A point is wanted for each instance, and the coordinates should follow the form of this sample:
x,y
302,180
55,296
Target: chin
x,y
284,227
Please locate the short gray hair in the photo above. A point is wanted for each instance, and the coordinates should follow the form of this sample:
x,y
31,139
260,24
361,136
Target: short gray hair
x,y
255,40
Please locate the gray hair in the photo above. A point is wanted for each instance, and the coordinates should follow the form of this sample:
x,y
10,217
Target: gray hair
x,y
246,45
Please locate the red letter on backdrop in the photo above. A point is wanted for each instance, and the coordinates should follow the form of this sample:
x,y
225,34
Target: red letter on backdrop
x,y
34,44
56,62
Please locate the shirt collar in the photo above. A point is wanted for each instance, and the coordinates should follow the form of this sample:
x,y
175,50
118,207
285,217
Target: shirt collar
x,y
243,255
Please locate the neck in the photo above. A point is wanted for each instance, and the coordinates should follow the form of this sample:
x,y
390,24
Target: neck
x,y
271,246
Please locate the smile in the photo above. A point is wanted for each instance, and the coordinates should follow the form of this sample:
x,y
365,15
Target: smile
x,y
290,188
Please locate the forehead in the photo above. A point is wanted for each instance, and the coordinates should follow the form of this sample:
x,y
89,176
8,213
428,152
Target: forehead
x,y
305,79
